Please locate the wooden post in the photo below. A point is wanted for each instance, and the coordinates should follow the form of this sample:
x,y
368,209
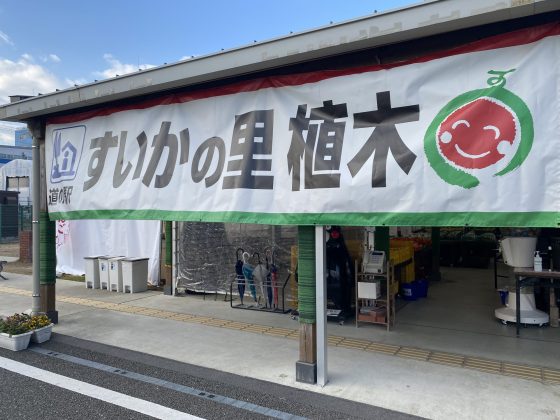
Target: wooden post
x,y
308,343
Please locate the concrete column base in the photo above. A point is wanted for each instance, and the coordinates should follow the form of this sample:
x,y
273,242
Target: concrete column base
x,y
306,372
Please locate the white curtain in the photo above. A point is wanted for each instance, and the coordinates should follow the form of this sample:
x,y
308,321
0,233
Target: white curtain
x,y
76,239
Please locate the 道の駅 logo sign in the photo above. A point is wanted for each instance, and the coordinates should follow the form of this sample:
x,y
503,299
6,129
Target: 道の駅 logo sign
x,y
67,151
481,132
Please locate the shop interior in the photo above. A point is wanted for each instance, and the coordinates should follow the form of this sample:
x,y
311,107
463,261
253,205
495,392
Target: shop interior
x,y
442,289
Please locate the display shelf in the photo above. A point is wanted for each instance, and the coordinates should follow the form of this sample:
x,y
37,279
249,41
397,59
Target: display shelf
x,y
375,300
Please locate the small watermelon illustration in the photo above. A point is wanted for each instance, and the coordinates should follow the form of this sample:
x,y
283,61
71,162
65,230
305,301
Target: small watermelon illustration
x,y
477,130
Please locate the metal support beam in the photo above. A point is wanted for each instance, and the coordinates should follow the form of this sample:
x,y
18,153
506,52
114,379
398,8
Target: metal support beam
x,y
321,305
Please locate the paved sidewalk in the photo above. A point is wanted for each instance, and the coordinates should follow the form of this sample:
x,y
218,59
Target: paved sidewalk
x,y
211,334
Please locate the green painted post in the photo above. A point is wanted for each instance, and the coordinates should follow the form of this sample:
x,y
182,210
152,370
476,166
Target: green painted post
x,y
306,366
47,266
47,246
382,241
168,243
306,274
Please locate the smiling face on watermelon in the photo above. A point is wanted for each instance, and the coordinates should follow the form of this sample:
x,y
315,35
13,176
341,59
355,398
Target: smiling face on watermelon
x,y
478,134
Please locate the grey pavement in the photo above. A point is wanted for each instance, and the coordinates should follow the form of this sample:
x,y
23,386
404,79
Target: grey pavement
x,y
406,385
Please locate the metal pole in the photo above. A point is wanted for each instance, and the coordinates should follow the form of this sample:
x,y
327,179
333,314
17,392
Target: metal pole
x,y
321,305
36,131
174,259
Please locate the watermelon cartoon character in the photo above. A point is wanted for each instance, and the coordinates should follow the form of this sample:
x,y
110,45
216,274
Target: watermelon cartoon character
x,y
478,130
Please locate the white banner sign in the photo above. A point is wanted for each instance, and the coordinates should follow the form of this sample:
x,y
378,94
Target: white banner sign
x,y
468,137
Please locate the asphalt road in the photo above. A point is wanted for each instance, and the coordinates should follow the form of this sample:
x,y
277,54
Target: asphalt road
x,y
136,380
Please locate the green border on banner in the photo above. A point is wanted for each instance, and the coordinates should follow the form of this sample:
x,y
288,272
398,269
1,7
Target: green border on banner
x,y
475,219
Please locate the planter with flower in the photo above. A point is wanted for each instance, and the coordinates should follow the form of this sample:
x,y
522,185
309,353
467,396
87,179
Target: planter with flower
x,y
41,326
15,332
18,330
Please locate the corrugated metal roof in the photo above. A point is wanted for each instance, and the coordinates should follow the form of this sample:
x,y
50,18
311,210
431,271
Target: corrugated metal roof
x,y
412,22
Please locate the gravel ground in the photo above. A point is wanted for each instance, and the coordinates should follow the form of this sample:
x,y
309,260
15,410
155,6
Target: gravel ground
x,y
11,249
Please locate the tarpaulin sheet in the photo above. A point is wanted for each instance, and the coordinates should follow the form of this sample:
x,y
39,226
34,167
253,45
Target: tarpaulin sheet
x,y
76,239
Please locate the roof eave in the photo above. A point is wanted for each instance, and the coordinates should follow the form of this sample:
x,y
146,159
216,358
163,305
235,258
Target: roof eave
x,y
416,21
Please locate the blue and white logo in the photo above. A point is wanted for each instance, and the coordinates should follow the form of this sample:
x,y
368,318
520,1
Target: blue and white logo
x,y
67,152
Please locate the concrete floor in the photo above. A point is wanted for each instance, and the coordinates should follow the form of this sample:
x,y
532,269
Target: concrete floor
x,y
457,317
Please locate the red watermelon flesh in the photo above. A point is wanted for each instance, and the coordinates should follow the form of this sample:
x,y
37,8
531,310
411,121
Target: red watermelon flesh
x,y
470,135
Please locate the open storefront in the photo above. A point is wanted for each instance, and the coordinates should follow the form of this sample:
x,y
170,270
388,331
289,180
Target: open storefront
x,y
439,123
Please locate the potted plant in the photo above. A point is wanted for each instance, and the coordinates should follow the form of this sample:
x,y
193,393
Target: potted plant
x,y
15,332
41,326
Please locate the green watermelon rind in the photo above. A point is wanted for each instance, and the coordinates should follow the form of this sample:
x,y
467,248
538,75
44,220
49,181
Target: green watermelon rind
x,y
526,124
454,176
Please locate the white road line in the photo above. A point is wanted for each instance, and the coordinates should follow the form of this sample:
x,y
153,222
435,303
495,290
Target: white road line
x,y
199,393
93,391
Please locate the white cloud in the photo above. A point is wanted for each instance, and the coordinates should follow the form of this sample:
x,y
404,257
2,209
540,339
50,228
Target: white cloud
x,y
5,38
27,77
52,58
74,82
24,77
7,132
6,137
118,68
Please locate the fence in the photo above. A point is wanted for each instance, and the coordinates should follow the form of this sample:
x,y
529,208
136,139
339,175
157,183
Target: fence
x,y
13,219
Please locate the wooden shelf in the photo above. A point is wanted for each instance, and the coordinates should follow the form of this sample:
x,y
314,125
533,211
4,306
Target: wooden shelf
x,y
380,310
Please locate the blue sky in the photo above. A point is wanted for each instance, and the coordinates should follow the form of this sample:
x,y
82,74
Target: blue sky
x,y
48,45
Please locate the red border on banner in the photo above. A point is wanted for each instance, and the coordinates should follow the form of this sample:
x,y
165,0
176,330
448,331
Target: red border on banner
x,y
510,39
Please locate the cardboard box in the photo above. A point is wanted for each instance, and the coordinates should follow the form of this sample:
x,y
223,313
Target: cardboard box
x,y
368,290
